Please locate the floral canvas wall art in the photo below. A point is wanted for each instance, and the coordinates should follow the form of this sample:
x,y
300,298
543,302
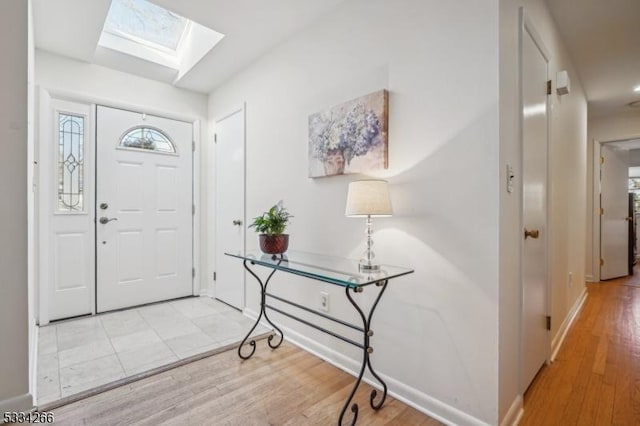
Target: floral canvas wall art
x,y
351,137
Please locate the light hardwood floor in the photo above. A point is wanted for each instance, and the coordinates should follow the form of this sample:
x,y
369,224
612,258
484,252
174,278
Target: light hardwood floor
x,y
283,387
595,379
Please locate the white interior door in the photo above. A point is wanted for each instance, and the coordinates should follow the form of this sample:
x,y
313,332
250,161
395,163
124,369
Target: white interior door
x,y
143,209
65,209
230,207
534,261
614,201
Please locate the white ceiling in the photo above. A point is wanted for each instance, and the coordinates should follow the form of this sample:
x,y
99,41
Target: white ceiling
x,y
603,38
251,27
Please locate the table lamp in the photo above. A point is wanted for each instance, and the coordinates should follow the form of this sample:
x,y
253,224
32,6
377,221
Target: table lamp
x,y
368,198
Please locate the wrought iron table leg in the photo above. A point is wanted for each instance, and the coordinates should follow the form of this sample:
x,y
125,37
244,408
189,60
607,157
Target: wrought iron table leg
x,y
366,357
263,293
374,392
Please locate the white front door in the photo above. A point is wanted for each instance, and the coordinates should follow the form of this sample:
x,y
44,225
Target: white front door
x,y
535,343
614,201
143,209
229,211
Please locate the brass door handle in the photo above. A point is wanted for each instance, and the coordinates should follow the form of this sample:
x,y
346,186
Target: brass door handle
x,y
628,219
534,233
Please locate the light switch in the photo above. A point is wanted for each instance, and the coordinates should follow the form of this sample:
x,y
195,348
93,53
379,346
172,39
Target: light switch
x,y
510,178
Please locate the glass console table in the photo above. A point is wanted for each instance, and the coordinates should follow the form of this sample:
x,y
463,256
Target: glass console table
x,y
333,270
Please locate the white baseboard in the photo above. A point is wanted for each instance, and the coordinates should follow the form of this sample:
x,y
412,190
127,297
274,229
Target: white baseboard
x,y
400,391
589,279
206,292
557,341
513,416
21,403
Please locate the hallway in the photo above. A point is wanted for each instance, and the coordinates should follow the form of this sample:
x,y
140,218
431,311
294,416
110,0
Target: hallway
x,y
595,378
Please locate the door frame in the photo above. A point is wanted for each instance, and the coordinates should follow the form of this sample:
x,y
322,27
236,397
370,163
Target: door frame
x,y
213,202
41,229
526,25
596,204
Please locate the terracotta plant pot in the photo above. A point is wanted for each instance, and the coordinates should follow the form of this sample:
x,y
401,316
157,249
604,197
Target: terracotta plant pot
x,y
274,244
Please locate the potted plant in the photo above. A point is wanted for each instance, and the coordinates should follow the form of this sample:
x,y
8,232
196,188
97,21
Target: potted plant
x,y
271,226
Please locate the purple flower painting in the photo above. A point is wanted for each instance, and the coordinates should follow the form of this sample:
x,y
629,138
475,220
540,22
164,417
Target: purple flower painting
x,y
350,137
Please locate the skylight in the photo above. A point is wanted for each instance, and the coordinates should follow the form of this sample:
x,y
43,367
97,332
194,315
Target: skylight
x,y
144,22
144,30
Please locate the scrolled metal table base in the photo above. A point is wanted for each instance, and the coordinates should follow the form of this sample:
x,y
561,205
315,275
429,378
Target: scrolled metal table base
x,y
365,329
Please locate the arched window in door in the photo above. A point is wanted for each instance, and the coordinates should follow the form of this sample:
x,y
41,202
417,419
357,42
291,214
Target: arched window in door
x,y
147,138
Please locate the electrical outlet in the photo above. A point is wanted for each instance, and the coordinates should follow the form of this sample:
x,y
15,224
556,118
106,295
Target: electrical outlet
x,y
324,301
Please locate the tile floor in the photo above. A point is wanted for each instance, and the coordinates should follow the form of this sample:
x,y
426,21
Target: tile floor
x,y
78,355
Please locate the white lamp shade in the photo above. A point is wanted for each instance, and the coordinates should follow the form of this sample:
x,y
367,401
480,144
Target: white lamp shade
x,y
368,198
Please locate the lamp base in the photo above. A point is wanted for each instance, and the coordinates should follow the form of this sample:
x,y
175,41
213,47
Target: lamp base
x,y
366,266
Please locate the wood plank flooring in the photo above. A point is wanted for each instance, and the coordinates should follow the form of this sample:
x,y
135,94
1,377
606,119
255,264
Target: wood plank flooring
x,y
283,387
595,380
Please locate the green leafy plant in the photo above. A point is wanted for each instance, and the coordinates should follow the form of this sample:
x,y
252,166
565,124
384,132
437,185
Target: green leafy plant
x,y
272,222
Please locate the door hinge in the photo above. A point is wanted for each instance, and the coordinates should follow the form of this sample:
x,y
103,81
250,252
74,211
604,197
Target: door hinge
x,y
215,138
601,211
601,262
214,276
601,160
193,272
193,146
548,322
548,87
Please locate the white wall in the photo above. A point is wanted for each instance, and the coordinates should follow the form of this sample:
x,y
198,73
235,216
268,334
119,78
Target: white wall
x,y
14,355
68,75
114,88
567,162
436,330
634,157
603,129
615,127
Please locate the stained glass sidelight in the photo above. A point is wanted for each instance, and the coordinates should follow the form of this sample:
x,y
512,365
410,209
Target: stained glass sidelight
x,y
147,138
70,163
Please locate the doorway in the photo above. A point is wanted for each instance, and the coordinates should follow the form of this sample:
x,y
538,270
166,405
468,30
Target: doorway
x,y
615,182
132,246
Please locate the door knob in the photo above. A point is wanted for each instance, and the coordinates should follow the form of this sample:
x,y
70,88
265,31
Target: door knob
x,y
104,220
629,219
534,233
237,222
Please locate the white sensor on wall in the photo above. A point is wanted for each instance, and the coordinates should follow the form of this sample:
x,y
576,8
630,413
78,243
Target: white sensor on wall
x,y
563,84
